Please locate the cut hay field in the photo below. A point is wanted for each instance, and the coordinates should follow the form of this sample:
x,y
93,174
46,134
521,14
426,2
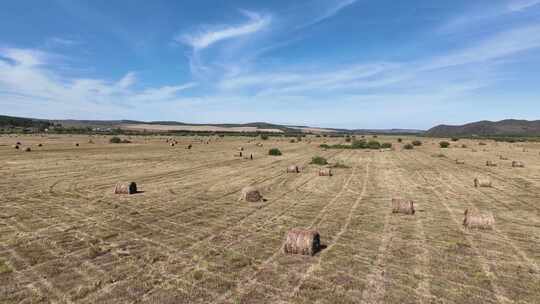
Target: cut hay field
x,y
65,237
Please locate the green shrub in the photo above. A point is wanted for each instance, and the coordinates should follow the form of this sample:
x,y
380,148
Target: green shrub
x,y
455,139
359,144
264,137
386,145
399,140
373,144
408,147
319,160
416,143
115,140
348,139
444,144
274,152
292,141
481,144
324,146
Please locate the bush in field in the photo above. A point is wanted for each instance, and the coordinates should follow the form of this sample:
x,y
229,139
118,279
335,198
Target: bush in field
x,y
481,144
373,144
399,140
444,144
115,140
324,146
274,152
455,139
319,160
359,144
408,147
386,145
416,143
264,137
348,139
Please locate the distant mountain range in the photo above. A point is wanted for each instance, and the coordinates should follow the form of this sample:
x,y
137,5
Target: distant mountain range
x,y
10,121
508,127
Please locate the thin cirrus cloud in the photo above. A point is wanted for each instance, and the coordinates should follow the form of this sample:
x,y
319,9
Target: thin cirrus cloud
x,y
519,5
437,70
334,8
207,38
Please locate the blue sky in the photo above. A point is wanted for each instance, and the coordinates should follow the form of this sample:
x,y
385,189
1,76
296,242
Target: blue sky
x,y
332,63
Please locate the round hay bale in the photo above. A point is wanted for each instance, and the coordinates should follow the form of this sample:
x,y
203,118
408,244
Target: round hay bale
x,y
125,188
27,149
325,172
293,169
40,145
251,194
517,164
460,162
482,182
476,220
302,241
490,163
402,206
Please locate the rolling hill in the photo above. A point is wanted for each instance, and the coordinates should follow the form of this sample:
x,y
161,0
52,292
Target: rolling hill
x,y
508,127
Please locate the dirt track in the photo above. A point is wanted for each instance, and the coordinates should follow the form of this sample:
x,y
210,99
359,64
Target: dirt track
x,y
66,238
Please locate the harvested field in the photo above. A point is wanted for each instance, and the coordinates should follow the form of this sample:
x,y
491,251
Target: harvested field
x,y
184,237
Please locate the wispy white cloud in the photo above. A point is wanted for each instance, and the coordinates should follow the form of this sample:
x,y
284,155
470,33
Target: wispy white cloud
x,y
127,81
500,45
206,38
333,8
471,67
520,5
29,76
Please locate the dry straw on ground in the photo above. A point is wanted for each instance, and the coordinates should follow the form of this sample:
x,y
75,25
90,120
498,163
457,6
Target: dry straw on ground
x,y
402,206
302,241
293,169
460,162
125,188
251,194
490,163
325,172
478,220
482,182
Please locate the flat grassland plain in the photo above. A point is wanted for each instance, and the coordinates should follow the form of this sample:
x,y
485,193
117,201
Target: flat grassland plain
x,y
186,237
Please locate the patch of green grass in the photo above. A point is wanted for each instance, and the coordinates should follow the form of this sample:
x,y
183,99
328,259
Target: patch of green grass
x,y
319,160
4,268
